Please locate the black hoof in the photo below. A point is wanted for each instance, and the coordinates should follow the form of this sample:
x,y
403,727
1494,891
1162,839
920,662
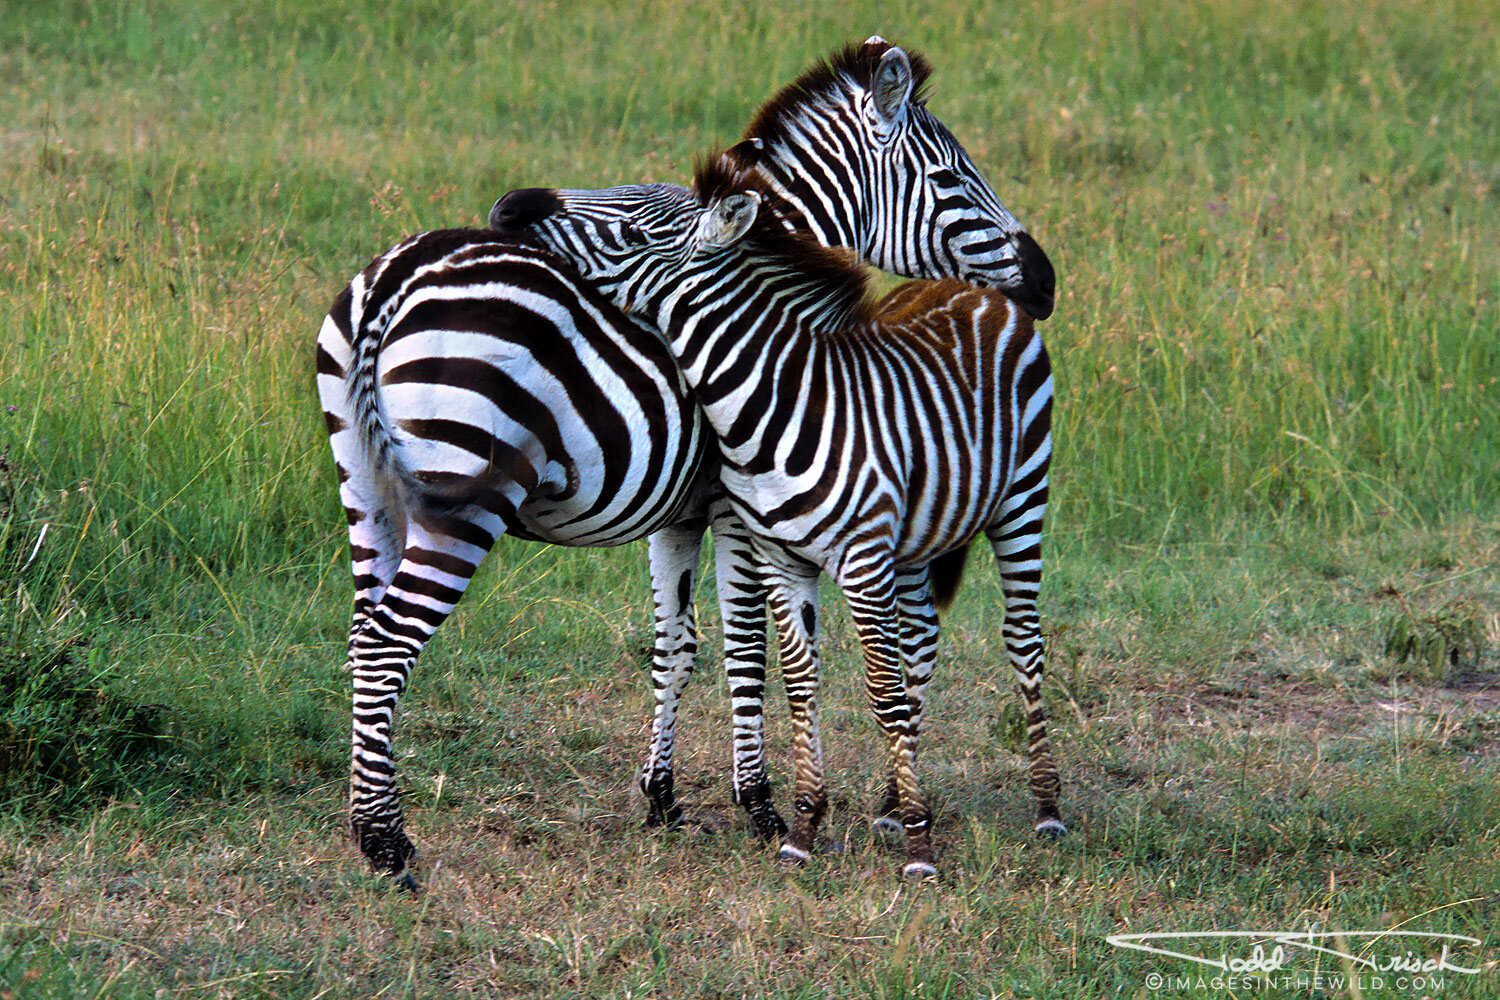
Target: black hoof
x,y
768,824
388,850
756,801
662,808
404,882
669,818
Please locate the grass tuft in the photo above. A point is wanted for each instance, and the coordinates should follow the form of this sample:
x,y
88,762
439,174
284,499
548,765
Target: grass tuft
x,y
1430,646
69,735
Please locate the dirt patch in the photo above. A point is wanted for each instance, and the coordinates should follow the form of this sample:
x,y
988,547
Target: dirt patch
x,y
1309,704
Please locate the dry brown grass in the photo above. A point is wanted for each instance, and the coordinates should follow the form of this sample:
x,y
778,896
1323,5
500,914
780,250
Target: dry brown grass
x,y
1267,758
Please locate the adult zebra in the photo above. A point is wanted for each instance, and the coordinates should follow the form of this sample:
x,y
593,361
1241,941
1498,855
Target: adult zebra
x,y
474,386
862,442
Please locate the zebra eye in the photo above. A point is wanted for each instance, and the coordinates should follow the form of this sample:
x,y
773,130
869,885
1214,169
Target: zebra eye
x,y
631,235
944,177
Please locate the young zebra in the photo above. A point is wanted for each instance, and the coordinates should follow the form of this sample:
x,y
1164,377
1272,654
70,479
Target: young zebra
x,y
474,386
866,443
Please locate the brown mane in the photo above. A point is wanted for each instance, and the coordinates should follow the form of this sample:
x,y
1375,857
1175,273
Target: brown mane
x,y
855,63
836,271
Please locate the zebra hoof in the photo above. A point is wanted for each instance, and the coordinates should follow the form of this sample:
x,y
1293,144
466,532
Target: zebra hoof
x,y
755,799
387,850
790,855
887,826
1050,829
768,825
665,820
662,807
403,881
918,870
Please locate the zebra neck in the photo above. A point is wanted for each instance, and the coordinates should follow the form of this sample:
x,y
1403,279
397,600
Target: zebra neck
x,y
816,202
730,335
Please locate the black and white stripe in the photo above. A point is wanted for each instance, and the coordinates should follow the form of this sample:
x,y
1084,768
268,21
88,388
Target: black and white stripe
x,y
871,443
476,386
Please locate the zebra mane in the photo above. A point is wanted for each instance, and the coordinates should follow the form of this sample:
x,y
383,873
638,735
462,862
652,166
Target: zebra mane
x,y
834,273
853,63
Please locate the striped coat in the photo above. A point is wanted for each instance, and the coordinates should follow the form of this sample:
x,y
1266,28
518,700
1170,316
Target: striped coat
x,y
475,386
863,442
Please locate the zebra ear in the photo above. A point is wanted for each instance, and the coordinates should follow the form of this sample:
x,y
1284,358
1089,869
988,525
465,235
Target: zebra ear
x,y
891,85
728,220
745,154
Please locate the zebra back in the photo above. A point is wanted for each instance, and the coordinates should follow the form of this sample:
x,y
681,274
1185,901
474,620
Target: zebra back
x,y
808,385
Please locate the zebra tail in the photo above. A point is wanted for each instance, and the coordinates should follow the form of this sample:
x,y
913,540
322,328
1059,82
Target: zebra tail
x,y
427,495
382,452
945,574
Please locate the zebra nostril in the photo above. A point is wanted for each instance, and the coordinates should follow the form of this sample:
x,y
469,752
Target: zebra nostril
x,y
522,207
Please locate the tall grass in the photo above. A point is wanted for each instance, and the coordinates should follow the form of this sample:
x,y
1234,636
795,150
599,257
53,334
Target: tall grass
x,y
1273,225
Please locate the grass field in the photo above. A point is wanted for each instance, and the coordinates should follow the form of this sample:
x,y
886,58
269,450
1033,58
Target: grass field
x,y
1273,590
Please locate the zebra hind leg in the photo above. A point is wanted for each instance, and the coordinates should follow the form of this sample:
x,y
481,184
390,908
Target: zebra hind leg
x,y
674,566
440,558
377,541
1018,552
742,609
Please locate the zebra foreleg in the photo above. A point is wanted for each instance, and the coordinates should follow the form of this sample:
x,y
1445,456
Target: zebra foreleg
x,y
872,605
439,560
1018,550
674,567
742,609
794,606
919,641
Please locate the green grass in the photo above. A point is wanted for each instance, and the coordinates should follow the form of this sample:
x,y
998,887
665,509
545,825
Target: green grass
x,y
1278,379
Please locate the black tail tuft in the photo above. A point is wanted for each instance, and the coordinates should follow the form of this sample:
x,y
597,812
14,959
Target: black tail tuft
x,y
945,574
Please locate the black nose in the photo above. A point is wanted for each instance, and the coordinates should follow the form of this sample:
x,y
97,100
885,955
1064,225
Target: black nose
x,y
522,207
1037,273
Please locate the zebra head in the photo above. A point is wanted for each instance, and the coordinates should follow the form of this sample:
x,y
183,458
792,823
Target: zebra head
x,y
855,158
631,242
854,147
